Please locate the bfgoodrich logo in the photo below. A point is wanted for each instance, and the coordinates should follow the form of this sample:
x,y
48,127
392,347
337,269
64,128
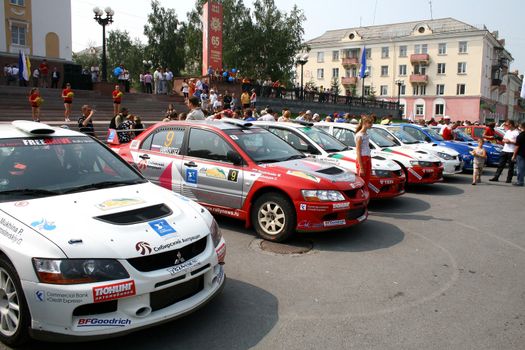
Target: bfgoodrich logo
x,y
143,248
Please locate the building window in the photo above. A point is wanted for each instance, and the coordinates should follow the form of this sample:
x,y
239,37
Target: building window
x,y
368,53
442,49
320,73
335,55
439,109
402,89
335,72
17,2
421,48
384,71
18,34
420,109
441,68
403,51
424,48
367,90
440,89
384,52
384,90
462,67
403,69
462,47
320,57
460,89
419,90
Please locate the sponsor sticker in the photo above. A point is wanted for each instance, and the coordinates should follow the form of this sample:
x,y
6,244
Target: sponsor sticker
x,y
61,297
334,223
303,175
21,204
413,172
233,175
43,225
191,176
386,182
143,248
118,203
344,205
428,170
162,227
302,206
222,211
215,173
103,322
317,207
113,291
181,267
221,252
373,188
11,230
234,137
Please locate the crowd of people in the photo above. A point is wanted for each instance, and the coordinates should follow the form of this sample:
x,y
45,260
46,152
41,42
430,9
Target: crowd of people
x,y
160,82
41,76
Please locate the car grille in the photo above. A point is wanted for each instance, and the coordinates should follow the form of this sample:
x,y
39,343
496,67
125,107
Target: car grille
x,y
397,172
352,194
97,308
137,215
169,296
355,213
167,259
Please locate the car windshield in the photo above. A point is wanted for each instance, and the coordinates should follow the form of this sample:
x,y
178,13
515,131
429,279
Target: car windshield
x,y
434,134
464,137
262,146
323,139
379,139
42,167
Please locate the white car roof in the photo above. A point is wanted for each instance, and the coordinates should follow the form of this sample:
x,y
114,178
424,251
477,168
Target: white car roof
x,y
23,128
338,125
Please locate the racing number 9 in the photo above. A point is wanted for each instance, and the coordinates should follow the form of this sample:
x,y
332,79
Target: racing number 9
x,y
169,139
232,175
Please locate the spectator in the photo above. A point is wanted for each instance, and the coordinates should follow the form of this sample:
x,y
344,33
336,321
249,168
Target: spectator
x,y
448,131
139,127
67,95
85,122
316,118
217,105
118,118
248,115
183,116
245,99
44,71
195,110
362,141
205,102
126,80
156,80
519,155
509,140
127,124
35,77
253,99
169,81
480,156
171,114
141,82
185,89
35,100
148,79
285,117
432,122
117,99
55,78
266,115
489,133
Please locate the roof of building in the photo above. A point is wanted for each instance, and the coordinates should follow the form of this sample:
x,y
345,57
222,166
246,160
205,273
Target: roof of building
x,y
396,30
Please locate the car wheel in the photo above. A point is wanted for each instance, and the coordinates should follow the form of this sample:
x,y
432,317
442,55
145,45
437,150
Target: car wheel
x,y
273,217
14,313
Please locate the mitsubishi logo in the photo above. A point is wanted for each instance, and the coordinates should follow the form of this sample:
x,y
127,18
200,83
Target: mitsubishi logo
x,y
179,259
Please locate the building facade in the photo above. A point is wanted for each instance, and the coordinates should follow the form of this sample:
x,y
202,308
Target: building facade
x,y
436,67
42,29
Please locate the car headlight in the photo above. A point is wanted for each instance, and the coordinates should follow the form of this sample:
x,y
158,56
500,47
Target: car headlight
x,y
444,156
76,271
216,233
322,196
381,173
421,163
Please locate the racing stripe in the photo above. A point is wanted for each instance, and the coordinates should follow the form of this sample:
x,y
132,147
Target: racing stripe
x,y
165,177
397,152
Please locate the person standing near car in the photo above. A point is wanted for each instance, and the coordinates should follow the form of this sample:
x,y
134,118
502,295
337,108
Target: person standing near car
x,y
489,133
480,156
509,141
85,122
195,109
362,141
519,155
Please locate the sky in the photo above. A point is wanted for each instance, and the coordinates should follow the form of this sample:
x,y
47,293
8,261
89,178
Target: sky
x,y
504,16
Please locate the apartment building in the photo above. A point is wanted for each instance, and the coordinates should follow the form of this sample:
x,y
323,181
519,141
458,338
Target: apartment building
x,y
436,67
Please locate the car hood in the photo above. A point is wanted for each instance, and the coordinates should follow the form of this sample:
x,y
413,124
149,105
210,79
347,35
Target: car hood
x,y
434,147
490,147
410,153
459,147
110,223
378,162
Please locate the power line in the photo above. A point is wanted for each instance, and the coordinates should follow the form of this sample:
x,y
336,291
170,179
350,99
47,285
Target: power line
x,y
375,10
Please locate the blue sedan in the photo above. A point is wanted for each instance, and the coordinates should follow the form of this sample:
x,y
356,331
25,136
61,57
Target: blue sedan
x,y
493,150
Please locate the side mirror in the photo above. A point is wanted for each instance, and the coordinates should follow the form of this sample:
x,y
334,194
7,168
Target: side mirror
x,y
234,157
312,150
427,139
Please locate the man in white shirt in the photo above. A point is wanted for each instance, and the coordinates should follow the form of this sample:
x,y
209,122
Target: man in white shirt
x,y
156,81
267,115
509,140
213,97
169,80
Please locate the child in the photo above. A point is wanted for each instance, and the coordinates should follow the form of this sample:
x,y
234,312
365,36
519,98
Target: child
x,y
480,155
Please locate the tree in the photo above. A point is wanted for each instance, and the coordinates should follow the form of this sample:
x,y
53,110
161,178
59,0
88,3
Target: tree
x,y
166,42
123,50
334,86
89,57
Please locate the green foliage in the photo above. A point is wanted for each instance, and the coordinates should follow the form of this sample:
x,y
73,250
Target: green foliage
x,y
336,89
87,58
121,49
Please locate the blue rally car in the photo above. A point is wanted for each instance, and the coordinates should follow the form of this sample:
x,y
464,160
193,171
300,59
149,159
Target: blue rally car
x,y
423,134
493,150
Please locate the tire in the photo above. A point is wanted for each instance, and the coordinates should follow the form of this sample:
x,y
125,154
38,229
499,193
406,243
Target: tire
x,y
273,217
14,312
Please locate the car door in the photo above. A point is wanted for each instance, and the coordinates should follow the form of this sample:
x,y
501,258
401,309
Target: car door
x,y
159,158
208,176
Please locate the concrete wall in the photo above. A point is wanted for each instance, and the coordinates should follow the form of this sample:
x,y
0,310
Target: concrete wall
x,y
3,46
52,16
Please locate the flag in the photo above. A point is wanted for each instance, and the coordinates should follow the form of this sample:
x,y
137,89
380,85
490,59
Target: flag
x,y
522,94
28,65
23,72
363,64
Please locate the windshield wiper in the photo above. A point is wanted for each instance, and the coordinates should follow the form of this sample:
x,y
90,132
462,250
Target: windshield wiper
x,y
31,192
335,150
296,156
103,184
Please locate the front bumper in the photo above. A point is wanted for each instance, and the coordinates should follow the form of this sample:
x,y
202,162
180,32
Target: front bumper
x,y
383,188
424,175
86,311
451,167
493,159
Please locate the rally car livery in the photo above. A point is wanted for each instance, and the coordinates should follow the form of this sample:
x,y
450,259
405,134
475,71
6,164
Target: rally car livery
x,y
247,173
387,180
89,247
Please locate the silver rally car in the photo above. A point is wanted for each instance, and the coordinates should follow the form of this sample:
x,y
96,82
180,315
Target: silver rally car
x,y
89,248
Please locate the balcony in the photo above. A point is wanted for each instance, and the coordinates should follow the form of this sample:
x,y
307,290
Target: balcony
x,y
496,82
419,79
350,61
349,80
420,58
502,89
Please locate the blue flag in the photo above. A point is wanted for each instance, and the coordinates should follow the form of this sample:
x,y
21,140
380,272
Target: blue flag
x,y
363,64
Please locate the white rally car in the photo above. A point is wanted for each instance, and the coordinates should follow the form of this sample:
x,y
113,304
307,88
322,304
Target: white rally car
x,y
91,249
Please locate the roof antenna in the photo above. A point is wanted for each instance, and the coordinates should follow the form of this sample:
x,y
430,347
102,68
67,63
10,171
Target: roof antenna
x,y
375,9
360,21
430,4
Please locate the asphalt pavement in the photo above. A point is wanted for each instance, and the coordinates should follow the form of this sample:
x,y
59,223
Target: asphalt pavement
x,y
441,267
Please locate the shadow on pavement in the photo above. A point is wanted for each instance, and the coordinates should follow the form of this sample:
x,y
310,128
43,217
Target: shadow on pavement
x,y
371,235
239,318
401,204
438,189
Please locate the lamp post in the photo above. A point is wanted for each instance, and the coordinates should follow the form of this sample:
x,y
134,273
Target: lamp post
x,y
399,83
104,22
301,59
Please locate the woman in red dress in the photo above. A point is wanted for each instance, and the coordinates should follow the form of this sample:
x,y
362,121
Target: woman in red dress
x,y
117,99
67,95
364,161
35,100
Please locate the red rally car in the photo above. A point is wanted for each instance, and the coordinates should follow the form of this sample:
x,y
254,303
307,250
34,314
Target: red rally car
x,y
248,173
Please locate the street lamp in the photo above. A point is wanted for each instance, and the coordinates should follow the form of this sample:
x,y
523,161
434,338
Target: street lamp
x,y
104,22
399,83
301,59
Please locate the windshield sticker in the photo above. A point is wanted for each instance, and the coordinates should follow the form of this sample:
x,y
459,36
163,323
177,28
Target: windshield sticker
x,y
44,142
216,173
21,204
234,137
169,150
118,203
43,224
162,227
303,175
247,131
10,230
191,176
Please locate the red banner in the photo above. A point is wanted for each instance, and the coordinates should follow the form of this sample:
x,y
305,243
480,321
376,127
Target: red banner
x,y
211,37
